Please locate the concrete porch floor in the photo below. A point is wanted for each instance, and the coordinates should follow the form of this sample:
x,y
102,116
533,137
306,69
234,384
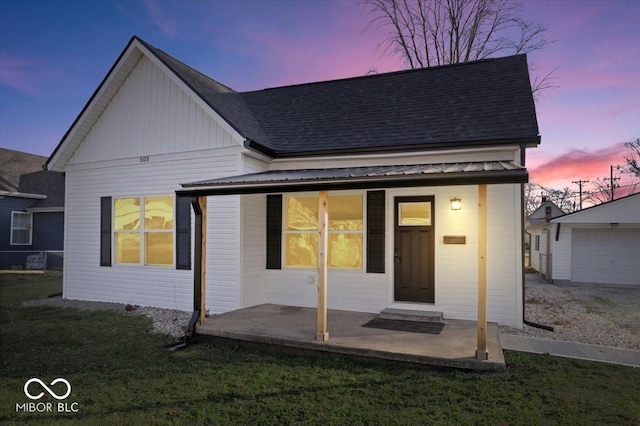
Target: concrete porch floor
x,y
291,327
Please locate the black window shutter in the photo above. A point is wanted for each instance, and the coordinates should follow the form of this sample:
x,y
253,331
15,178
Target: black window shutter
x,y
105,231
183,233
274,231
375,231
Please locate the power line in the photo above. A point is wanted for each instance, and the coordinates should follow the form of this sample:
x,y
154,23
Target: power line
x,y
580,183
613,181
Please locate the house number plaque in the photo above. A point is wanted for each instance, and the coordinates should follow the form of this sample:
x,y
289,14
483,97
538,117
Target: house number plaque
x,y
455,239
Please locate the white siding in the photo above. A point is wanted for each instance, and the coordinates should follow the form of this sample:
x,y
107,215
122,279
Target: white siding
x,y
150,115
254,240
456,273
254,250
620,247
561,249
155,286
606,256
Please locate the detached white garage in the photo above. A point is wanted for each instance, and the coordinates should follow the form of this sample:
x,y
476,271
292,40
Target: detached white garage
x,y
605,255
599,245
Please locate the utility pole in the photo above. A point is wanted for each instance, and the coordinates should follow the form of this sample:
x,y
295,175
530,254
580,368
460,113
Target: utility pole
x,y
580,183
613,181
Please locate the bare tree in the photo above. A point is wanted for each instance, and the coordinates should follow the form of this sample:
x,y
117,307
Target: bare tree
x,y
604,190
633,160
564,198
426,33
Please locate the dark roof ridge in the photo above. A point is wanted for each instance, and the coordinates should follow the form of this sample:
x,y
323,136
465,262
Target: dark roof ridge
x,y
390,73
154,49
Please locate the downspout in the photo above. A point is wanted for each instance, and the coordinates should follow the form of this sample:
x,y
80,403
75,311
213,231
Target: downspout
x,y
191,328
524,319
185,340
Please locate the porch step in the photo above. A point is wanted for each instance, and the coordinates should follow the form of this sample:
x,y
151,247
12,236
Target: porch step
x,y
411,315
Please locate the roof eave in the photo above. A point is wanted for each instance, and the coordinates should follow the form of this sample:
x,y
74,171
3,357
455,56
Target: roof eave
x,y
332,184
53,155
528,141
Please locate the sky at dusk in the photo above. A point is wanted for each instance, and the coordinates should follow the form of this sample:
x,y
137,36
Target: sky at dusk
x,y
54,54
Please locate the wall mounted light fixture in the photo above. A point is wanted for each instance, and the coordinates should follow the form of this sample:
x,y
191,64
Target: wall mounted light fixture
x,y
456,203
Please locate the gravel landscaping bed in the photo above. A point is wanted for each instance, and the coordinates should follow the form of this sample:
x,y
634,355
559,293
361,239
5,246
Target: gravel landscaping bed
x,y
598,315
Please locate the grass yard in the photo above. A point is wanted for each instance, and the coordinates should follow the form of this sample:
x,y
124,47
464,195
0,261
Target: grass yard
x,y
121,375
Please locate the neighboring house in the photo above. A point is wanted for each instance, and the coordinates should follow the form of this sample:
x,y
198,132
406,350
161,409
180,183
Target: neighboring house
x,y
406,157
539,232
31,212
599,245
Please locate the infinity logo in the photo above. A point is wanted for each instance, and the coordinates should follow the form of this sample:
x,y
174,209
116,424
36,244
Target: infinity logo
x,y
52,393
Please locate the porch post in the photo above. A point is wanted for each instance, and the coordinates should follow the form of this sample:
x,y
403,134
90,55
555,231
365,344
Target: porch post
x,y
321,332
481,351
199,205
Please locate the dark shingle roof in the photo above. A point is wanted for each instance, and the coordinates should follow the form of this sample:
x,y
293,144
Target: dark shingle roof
x,y
22,172
13,164
470,104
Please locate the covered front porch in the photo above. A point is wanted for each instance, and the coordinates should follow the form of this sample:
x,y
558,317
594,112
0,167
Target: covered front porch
x,y
464,344
293,328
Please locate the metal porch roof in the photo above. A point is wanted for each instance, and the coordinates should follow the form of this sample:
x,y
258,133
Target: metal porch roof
x,y
467,173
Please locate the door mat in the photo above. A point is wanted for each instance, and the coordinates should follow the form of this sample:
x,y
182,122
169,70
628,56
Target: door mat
x,y
410,326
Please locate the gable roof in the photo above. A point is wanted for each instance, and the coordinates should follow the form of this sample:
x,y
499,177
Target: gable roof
x,y
622,210
21,174
481,103
539,215
14,164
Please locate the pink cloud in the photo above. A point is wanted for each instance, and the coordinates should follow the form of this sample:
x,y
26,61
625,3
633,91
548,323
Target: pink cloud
x,y
577,164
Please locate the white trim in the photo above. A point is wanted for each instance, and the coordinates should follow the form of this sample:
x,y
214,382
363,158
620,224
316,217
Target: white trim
x,y
22,195
100,101
155,159
142,232
29,227
194,96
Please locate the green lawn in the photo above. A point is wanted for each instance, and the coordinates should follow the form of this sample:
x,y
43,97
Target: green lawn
x,y
121,375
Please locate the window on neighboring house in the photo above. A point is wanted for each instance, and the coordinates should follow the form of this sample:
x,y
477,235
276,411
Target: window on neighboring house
x,y
537,245
143,230
21,228
345,231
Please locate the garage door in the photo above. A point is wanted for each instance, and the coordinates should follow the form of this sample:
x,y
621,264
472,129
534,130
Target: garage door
x,y
606,256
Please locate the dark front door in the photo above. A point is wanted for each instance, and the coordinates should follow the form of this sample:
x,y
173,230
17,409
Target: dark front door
x,y
414,249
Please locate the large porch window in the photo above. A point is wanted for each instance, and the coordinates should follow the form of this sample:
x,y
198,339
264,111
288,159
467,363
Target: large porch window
x,y
345,231
143,230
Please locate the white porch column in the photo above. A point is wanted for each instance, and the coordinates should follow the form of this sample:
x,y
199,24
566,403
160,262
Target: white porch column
x,y
481,351
323,242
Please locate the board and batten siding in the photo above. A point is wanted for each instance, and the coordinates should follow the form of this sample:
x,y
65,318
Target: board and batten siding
x,y
152,137
150,115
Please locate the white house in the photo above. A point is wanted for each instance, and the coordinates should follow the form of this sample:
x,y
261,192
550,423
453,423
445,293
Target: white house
x,y
539,232
599,245
423,170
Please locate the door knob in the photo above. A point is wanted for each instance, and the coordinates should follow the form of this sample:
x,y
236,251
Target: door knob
x,y
397,257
